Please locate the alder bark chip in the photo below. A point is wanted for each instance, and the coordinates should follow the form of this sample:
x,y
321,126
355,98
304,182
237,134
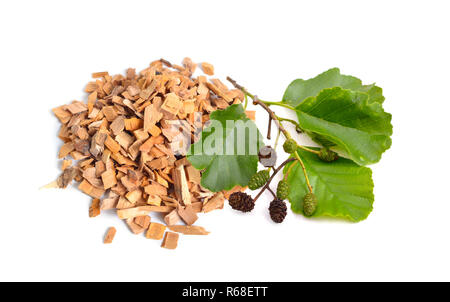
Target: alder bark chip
x,y
124,140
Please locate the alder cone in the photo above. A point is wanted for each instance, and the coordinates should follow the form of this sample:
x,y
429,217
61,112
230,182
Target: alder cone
x,y
278,210
327,155
282,189
241,201
290,146
258,179
309,204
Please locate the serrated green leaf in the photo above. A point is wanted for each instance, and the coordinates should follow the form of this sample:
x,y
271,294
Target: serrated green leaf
x,y
359,129
343,188
300,89
222,171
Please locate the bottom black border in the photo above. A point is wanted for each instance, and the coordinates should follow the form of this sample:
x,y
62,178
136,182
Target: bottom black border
x,y
222,290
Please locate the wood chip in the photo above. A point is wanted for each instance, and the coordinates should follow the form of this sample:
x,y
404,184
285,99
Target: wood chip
x,y
135,228
124,139
112,145
250,114
188,229
133,123
124,142
207,68
216,202
117,125
181,185
76,107
94,209
65,149
134,196
155,231
110,235
142,211
170,240
143,221
187,214
155,189
109,179
193,174
110,202
154,200
172,103
90,190
172,218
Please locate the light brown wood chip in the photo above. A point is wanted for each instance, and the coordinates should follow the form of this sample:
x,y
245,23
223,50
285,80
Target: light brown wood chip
x,y
181,186
123,141
109,179
141,211
110,235
170,241
207,68
187,214
90,190
94,209
172,103
66,149
216,202
142,221
155,231
135,228
172,218
188,229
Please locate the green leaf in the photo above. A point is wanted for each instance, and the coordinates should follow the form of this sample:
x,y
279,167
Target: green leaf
x,y
343,188
359,129
300,89
227,149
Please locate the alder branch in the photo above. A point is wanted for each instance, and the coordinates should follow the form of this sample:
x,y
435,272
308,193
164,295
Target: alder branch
x,y
275,171
256,101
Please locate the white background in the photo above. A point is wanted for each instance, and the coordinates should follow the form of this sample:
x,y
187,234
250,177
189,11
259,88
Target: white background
x,y
50,48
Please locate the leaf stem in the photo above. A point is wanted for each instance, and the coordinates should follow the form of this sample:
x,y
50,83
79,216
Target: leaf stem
x,y
307,149
304,171
289,170
275,171
276,140
282,119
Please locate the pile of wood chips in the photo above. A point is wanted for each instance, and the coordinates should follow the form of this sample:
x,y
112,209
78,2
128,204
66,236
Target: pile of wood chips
x,y
127,159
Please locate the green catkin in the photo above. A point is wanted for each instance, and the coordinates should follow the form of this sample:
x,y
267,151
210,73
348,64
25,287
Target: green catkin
x,y
327,155
282,189
309,204
290,146
258,179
